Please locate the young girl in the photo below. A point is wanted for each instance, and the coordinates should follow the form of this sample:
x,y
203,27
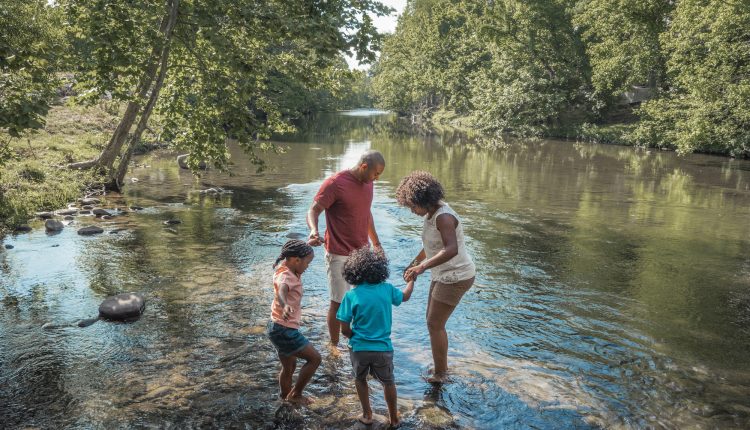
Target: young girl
x,y
283,330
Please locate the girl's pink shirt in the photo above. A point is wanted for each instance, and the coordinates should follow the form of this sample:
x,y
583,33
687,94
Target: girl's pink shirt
x,y
293,297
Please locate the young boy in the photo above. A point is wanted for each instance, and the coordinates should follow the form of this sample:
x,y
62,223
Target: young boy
x,y
366,315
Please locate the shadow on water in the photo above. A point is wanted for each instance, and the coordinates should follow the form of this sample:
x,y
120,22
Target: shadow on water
x,y
613,292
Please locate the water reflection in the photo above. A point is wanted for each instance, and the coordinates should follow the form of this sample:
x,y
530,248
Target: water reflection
x,y
612,292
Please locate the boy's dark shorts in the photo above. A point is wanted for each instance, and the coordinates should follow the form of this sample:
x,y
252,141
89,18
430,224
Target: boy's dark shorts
x,y
288,341
378,363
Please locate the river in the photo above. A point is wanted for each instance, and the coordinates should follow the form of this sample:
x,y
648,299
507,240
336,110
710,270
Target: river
x,y
613,291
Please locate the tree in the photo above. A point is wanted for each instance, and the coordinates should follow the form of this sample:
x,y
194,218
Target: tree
x,y
707,103
206,66
30,45
622,43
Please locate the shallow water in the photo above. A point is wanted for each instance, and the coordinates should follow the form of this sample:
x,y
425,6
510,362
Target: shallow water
x,y
613,292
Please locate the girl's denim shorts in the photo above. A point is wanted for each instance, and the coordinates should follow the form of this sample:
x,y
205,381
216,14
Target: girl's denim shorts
x,y
288,341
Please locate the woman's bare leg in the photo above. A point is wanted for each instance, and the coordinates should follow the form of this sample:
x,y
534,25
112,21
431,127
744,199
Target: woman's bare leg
x,y
437,315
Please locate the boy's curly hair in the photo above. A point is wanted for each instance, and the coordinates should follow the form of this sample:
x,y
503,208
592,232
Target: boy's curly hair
x,y
419,188
366,266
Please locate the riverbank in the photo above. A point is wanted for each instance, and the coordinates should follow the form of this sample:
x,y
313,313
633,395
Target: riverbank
x,y
34,178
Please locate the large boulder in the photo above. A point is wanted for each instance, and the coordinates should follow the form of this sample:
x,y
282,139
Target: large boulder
x,y
44,215
23,229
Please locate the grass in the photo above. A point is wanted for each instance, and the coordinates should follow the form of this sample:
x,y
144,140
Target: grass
x,y
33,177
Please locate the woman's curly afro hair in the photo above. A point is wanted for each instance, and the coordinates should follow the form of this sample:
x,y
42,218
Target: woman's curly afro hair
x,y
366,266
419,188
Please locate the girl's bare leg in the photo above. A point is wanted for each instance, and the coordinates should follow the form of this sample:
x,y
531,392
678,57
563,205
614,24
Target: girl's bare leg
x,y
288,364
312,361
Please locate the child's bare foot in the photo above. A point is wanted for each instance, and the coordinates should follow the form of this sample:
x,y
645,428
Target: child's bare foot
x,y
299,400
365,419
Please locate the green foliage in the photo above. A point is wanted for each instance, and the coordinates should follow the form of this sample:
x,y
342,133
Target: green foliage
x,y
540,66
622,42
30,47
236,69
707,106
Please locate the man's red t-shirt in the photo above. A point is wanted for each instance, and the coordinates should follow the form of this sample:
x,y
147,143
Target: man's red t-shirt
x,y
347,202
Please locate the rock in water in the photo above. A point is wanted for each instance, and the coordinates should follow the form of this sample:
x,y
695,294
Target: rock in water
x,y
86,231
53,225
122,307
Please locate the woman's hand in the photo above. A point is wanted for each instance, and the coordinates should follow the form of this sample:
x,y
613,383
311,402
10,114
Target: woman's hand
x,y
411,273
288,311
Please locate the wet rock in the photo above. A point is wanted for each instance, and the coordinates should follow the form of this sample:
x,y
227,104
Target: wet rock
x,y
136,208
87,212
106,217
172,222
69,211
117,230
122,306
182,161
9,246
87,207
23,229
89,201
55,245
53,225
44,215
69,218
101,212
87,231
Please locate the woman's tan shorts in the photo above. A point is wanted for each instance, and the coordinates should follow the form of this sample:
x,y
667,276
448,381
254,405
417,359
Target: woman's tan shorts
x,y
450,294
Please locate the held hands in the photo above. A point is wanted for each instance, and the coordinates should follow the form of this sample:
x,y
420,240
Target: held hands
x,y
288,311
411,273
314,239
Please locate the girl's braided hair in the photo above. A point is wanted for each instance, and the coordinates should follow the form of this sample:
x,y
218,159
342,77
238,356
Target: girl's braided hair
x,y
293,248
366,266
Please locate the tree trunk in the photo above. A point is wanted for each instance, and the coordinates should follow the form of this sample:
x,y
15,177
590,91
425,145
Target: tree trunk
x,y
122,168
106,159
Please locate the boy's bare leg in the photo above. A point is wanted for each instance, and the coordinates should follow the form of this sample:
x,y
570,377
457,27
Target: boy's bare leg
x,y
334,326
288,364
363,392
437,316
312,361
391,399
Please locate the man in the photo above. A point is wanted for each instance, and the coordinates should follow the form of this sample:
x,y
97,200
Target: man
x,y
346,198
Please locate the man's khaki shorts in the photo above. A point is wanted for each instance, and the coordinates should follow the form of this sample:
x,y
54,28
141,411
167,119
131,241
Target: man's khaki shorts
x,y
337,286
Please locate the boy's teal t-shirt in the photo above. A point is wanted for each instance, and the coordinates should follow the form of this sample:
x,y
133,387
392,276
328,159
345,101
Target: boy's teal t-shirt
x,y
367,308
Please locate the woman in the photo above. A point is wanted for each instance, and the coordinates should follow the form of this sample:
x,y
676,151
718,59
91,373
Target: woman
x,y
444,252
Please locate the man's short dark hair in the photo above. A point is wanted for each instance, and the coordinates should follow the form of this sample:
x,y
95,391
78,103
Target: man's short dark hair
x,y
372,158
366,266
